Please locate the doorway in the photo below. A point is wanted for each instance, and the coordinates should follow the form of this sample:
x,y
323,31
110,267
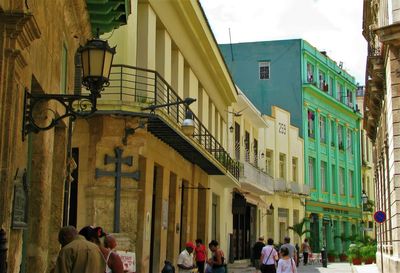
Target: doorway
x,y
244,227
73,197
156,220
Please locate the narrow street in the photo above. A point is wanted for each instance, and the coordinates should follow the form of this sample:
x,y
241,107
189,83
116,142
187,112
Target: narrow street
x,y
317,268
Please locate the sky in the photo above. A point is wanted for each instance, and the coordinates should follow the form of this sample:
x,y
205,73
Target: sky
x,y
334,26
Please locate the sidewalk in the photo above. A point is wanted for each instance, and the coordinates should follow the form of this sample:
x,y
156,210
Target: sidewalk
x,y
317,268
369,268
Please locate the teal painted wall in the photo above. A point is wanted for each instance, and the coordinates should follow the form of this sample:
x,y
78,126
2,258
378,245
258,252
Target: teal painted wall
x,y
285,74
303,79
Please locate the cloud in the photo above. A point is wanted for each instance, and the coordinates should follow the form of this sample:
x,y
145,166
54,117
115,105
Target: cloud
x,y
333,26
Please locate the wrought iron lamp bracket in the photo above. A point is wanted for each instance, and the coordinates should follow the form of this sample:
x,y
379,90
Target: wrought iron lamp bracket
x,y
74,106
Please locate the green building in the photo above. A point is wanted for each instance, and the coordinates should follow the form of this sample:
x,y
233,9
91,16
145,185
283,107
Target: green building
x,y
321,98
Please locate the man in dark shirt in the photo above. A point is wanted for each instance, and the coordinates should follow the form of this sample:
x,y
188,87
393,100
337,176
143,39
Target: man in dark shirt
x,y
258,246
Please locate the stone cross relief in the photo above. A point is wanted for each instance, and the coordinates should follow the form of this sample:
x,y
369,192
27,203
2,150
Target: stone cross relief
x,y
118,174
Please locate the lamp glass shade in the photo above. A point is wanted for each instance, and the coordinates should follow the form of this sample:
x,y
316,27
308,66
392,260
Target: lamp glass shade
x,y
96,62
364,198
108,58
85,63
96,57
188,127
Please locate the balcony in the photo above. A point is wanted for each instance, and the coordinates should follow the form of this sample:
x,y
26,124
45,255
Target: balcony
x,y
281,185
305,190
294,187
253,179
133,88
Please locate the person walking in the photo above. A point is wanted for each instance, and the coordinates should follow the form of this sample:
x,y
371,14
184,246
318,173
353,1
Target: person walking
x,y
286,264
112,259
185,259
77,255
217,262
268,257
292,249
200,255
258,246
306,249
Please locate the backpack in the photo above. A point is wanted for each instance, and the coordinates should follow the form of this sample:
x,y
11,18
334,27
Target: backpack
x,y
168,267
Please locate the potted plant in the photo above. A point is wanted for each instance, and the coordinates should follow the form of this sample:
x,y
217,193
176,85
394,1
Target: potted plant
x,y
332,255
354,255
343,257
368,253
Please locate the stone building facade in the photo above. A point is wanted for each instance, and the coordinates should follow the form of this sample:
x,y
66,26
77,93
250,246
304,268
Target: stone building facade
x,y
38,44
174,187
381,29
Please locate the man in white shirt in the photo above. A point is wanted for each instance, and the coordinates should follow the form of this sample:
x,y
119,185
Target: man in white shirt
x,y
185,260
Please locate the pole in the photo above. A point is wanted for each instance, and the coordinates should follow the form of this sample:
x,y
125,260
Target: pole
x,y
381,246
67,182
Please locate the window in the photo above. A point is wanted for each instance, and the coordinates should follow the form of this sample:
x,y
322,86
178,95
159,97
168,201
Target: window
x,y
333,133
323,176
339,92
349,139
349,98
333,179
351,189
255,151
340,137
310,73
322,82
294,169
296,216
269,162
64,65
311,170
363,183
322,129
341,180
247,146
330,86
264,70
237,141
311,129
282,166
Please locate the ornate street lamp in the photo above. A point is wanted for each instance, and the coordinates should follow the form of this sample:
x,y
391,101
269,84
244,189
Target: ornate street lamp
x,y
364,198
96,59
188,123
270,210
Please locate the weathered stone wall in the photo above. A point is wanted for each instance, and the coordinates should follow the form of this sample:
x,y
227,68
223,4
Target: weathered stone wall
x,y
32,35
99,136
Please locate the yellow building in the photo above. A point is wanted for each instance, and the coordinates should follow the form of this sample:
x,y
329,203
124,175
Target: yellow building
x,y
246,126
272,192
367,173
285,163
140,174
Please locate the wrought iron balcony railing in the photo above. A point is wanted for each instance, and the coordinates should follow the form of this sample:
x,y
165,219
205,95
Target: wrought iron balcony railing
x,y
137,86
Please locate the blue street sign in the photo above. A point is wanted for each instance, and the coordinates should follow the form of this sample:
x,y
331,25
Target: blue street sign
x,y
380,216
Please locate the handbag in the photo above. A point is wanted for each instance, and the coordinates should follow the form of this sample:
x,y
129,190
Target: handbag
x,y
291,264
